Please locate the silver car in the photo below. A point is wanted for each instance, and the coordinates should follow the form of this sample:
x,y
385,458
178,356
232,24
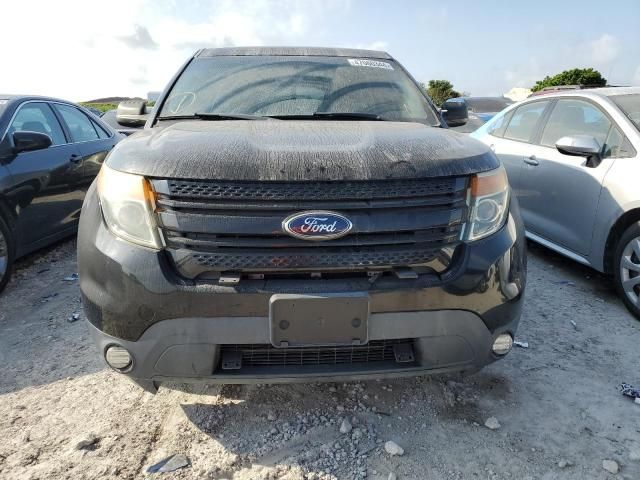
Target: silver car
x,y
572,160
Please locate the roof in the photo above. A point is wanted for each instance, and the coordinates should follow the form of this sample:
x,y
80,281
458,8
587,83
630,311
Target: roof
x,y
608,91
497,97
293,51
32,97
597,91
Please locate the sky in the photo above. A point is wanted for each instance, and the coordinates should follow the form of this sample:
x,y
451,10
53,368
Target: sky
x,y
86,49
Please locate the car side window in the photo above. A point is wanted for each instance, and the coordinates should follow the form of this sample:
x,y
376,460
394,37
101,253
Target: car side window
x,y
102,133
499,125
38,117
575,117
524,121
80,126
617,145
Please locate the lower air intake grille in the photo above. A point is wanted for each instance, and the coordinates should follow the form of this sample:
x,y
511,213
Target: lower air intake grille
x,y
259,355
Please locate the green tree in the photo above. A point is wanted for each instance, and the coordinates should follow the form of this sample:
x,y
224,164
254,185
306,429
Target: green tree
x,y
440,91
575,76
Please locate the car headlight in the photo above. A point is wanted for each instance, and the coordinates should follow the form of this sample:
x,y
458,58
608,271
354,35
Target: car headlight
x,y
489,203
127,206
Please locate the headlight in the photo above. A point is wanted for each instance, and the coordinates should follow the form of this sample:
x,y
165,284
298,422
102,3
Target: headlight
x,y
127,207
489,203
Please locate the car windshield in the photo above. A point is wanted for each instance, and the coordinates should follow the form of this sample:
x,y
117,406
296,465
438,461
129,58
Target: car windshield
x,y
488,104
295,86
3,104
630,105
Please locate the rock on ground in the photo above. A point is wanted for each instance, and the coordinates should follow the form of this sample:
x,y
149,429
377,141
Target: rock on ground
x,y
345,427
85,441
611,466
392,448
492,423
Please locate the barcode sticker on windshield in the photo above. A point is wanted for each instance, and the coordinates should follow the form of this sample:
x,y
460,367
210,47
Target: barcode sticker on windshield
x,y
361,62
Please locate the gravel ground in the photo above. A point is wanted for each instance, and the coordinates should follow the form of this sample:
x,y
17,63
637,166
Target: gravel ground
x,y
559,414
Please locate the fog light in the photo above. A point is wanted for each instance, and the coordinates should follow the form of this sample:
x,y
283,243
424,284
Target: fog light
x,y
118,357
502,344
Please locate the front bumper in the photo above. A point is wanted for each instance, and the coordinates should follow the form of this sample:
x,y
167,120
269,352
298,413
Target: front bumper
x,y
176,329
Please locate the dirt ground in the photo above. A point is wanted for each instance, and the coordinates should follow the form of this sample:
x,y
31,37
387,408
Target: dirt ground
x,y
558,403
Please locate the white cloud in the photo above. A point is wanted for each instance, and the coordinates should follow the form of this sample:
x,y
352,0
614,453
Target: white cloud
x,y
135,46
605,49
600,53
140,38
525,74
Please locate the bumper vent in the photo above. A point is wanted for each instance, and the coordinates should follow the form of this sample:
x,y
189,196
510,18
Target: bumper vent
x,y
258,355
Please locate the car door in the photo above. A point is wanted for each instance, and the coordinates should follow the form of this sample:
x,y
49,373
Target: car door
x,y
92,140
511,139
46,183
562,192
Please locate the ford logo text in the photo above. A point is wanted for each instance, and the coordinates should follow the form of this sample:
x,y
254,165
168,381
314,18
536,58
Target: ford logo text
x,y
317,225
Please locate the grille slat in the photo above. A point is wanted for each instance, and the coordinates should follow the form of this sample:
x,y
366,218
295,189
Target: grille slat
x,y
209,241
287,191
194,205
258,355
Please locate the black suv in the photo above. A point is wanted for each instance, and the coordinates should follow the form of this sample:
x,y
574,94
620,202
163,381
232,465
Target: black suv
x,y
298,214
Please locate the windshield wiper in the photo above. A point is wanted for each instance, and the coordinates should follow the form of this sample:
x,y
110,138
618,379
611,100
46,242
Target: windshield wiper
x,y
333,115
214,116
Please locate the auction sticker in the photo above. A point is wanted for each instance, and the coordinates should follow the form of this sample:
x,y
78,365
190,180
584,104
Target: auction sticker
x,y
361,62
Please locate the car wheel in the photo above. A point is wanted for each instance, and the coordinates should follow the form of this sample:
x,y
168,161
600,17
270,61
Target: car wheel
x,y
6,253
627,271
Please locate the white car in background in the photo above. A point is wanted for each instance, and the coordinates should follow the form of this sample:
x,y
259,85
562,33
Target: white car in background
x,y
572,160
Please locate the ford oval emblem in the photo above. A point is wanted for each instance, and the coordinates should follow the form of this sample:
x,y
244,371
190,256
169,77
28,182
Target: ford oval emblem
x,y
317,225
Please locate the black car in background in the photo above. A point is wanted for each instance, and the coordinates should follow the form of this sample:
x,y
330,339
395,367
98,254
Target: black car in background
x,y
480,111
50,152
93,110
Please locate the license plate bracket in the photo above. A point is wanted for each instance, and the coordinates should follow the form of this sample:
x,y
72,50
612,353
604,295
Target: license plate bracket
x,y
318,320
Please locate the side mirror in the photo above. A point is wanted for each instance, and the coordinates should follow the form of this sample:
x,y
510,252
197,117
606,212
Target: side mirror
x,y
455,112
28,141
581,146
132,113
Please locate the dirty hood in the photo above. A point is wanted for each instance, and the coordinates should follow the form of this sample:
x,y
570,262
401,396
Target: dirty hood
x,y
295,150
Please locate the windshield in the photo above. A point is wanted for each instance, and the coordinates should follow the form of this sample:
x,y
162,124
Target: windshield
x,y
297,86
630,105
3,104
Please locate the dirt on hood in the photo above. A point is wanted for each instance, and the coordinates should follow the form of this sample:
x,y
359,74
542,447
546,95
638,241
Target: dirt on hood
x,y
299,150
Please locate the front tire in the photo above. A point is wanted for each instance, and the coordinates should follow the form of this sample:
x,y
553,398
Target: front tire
x,y
627,268
7,252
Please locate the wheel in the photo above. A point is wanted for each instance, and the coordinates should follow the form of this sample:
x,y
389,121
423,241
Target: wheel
x,y
7,251
627,268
